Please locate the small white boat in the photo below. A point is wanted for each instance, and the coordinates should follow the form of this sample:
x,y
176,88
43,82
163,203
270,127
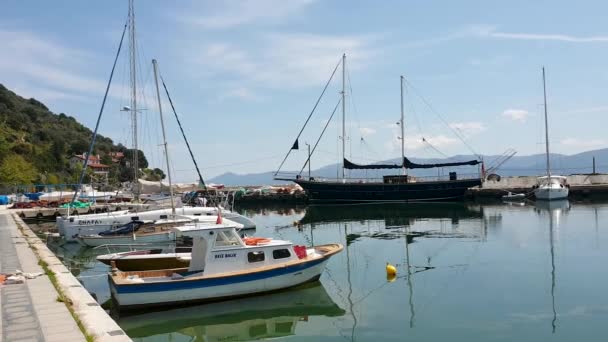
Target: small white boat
x,y
135,232
73,226
222,265
513,197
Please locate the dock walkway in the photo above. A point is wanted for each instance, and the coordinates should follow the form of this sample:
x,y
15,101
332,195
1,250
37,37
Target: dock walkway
x,y
34,311
29,311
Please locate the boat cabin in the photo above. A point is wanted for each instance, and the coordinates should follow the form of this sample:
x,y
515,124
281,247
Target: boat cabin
x,y
220,249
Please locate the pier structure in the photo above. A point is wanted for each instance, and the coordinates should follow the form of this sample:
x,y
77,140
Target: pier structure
x,y
52,305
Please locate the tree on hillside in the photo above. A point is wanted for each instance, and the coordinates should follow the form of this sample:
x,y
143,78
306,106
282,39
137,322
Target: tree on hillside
x,y
16,170
142,162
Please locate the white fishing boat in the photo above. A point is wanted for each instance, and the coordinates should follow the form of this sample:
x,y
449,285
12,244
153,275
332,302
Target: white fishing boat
x,y
149,259
73,226
550,187
222,265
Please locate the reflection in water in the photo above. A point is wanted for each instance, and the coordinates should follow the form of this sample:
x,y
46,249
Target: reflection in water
x,y
409,282
259,317
393,214
393,221
555,209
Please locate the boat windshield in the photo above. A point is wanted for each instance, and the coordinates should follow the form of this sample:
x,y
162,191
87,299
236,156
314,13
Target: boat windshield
x,y
226,238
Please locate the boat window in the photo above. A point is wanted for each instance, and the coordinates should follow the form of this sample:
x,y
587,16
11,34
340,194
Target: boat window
x,y
226,238
281,253
255,256
256,331
134,218
284,327
163,217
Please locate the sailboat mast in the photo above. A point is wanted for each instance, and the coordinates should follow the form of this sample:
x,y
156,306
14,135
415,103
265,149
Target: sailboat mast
x,y
546,126
133,80
162,125
343,112
402,129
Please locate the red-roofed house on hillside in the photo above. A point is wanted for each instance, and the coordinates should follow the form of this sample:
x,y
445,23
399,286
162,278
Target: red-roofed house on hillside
x,y
116,156
94,163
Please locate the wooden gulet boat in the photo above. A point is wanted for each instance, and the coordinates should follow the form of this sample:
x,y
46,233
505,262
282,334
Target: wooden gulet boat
x,y
223,265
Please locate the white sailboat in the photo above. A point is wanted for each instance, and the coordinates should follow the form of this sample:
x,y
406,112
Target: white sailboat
x,y
550,187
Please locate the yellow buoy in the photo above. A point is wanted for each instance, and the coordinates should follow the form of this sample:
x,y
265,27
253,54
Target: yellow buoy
x,y
391,271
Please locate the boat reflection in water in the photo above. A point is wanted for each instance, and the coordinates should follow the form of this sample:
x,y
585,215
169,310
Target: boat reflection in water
x,y
392,214
556,209
392,221
258,317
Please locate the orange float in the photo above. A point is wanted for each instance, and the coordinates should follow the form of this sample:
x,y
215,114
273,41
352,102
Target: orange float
x,y
254,241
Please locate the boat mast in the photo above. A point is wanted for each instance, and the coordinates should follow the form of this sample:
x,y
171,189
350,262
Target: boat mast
x,y
402,130
343,112
162,125
133,80
546,126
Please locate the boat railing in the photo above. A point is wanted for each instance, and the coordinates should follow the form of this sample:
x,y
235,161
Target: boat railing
x,y
363,180
131,246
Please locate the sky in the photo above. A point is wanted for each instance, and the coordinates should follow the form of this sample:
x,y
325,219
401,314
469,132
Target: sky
x,y
244,75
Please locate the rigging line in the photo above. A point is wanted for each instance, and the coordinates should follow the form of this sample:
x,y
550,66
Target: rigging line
x,y
320,136
428,104
311,112
200,177
103,104
434,148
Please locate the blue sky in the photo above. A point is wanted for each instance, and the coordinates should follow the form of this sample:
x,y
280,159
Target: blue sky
x,y
245,74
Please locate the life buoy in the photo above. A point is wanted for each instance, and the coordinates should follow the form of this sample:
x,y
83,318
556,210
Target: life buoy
x,y
254,241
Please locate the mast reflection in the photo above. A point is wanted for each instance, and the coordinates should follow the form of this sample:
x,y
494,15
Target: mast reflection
x,y
555,209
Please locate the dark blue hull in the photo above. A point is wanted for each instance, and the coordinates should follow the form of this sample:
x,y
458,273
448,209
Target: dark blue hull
x,y
338,192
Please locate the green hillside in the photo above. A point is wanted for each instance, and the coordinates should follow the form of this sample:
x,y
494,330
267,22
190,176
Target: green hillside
x,y
36,145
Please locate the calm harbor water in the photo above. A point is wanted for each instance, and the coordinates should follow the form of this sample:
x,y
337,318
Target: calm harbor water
x,y
465,272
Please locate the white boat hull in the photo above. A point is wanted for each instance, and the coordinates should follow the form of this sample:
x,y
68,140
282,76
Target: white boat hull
x,y
94,241
93,224
210,289
551,193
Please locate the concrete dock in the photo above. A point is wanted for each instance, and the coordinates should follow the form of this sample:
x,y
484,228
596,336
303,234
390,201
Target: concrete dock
x,y
36,310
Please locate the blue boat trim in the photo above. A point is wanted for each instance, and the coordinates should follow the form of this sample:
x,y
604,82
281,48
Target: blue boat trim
x,y
186,284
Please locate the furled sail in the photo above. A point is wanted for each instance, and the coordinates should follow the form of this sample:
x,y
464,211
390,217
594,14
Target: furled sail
x,y
352,166
408,164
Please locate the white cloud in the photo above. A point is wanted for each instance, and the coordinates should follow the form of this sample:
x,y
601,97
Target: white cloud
x,y
242,93
491,32
46,69
520,115
230,14
584,143
367,131
589,110
468,129
282,60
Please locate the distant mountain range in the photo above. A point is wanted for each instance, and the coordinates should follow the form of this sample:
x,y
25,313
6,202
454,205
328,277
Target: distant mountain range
x,y
516,166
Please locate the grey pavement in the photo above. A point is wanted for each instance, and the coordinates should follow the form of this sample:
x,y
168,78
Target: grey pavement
x,y
30,311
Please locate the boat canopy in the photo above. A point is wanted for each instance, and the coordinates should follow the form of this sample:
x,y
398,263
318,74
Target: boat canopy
x,y
406,162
